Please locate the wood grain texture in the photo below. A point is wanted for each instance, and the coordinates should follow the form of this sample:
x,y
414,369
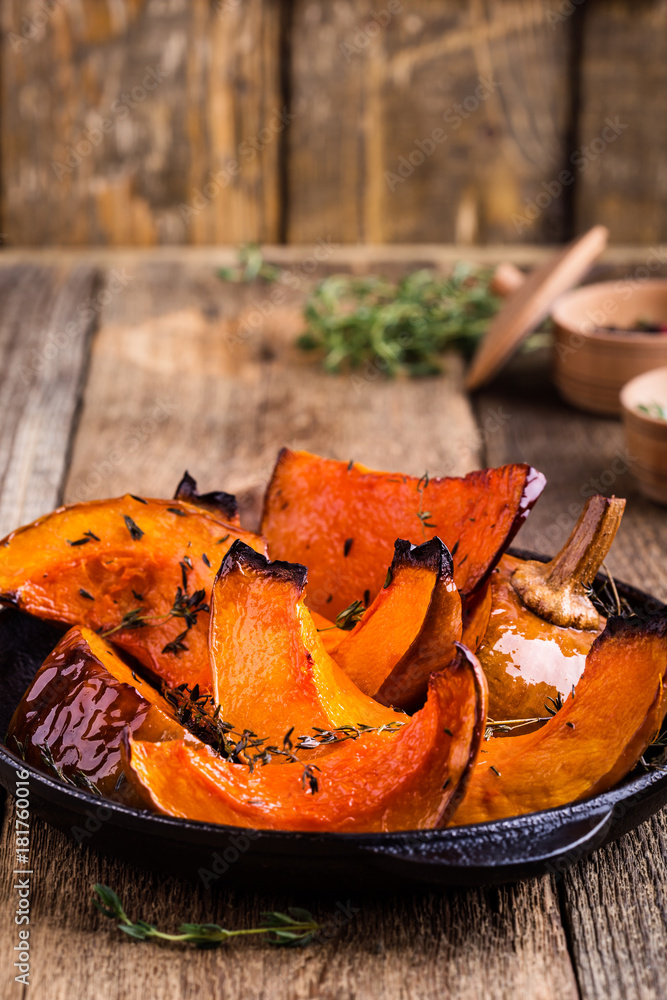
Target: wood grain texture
x,y
47,316
212,383
496,943
364,161
621,176
141,121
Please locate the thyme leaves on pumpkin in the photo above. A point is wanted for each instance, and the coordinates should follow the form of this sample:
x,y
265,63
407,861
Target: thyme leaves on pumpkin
x,y
424,515
185,606
296,927
347,618
135,531
88,536
78,780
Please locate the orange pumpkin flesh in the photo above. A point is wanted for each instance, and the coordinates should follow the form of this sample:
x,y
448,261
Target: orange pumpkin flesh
x,y
271,672
409,781
592,742
527,660
409,630
476,613
97,562
342,520
79,703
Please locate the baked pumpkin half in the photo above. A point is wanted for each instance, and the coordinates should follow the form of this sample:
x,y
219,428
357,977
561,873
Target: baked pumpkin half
x,y
411,780
595,739
71,719
271,672
140,570
409,630
341,520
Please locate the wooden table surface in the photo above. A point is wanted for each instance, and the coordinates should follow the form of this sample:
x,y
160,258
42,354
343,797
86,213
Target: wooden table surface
x,y
121,370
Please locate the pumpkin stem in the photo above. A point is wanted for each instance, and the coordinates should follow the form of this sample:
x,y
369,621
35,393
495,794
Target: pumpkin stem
x,y
556,591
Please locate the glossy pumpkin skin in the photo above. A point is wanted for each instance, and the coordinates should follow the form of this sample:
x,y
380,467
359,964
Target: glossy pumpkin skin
x,y
526,659
83,563
341,520
410,781
592,742
409,630
80,702
271,672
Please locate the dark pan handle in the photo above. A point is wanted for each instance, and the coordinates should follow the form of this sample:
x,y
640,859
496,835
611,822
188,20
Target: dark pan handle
x,y
527,845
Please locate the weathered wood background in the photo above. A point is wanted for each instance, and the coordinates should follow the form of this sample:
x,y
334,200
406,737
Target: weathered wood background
x,y
141,122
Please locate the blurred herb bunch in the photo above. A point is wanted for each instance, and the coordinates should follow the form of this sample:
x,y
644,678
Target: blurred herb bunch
x,y
402,327
398,327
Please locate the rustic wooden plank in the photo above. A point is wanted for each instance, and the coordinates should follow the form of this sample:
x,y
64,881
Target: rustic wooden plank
x,y
205,390
141,121
495,944
370,87
164,341
615,903
47,316
622,141
46,319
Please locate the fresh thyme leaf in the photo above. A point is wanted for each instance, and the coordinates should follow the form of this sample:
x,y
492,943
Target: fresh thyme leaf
x,y
177,511
347,546
138,499
296,927
251,265
205,559
79,541
134,529
349,616
84,593
397,328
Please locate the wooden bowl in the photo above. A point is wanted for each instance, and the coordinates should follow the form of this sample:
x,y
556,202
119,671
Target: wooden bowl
x,y
647,435
592,365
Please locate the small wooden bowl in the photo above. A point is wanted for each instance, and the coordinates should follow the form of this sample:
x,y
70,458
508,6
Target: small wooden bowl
x,y
592,365
646,436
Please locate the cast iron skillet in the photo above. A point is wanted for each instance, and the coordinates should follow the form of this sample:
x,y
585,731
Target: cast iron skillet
x,y
500,851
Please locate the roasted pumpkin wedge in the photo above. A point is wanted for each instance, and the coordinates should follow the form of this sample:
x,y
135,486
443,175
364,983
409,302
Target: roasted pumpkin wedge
x,y
341,520
595,739
271,672
412,780
476,612
542,622
71,718
140,570
221,504
409,630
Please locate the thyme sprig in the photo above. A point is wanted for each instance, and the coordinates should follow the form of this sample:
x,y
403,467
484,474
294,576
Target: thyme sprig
x,y
296,927
185,606
348,617
397,327
200,714
493,727
78,779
